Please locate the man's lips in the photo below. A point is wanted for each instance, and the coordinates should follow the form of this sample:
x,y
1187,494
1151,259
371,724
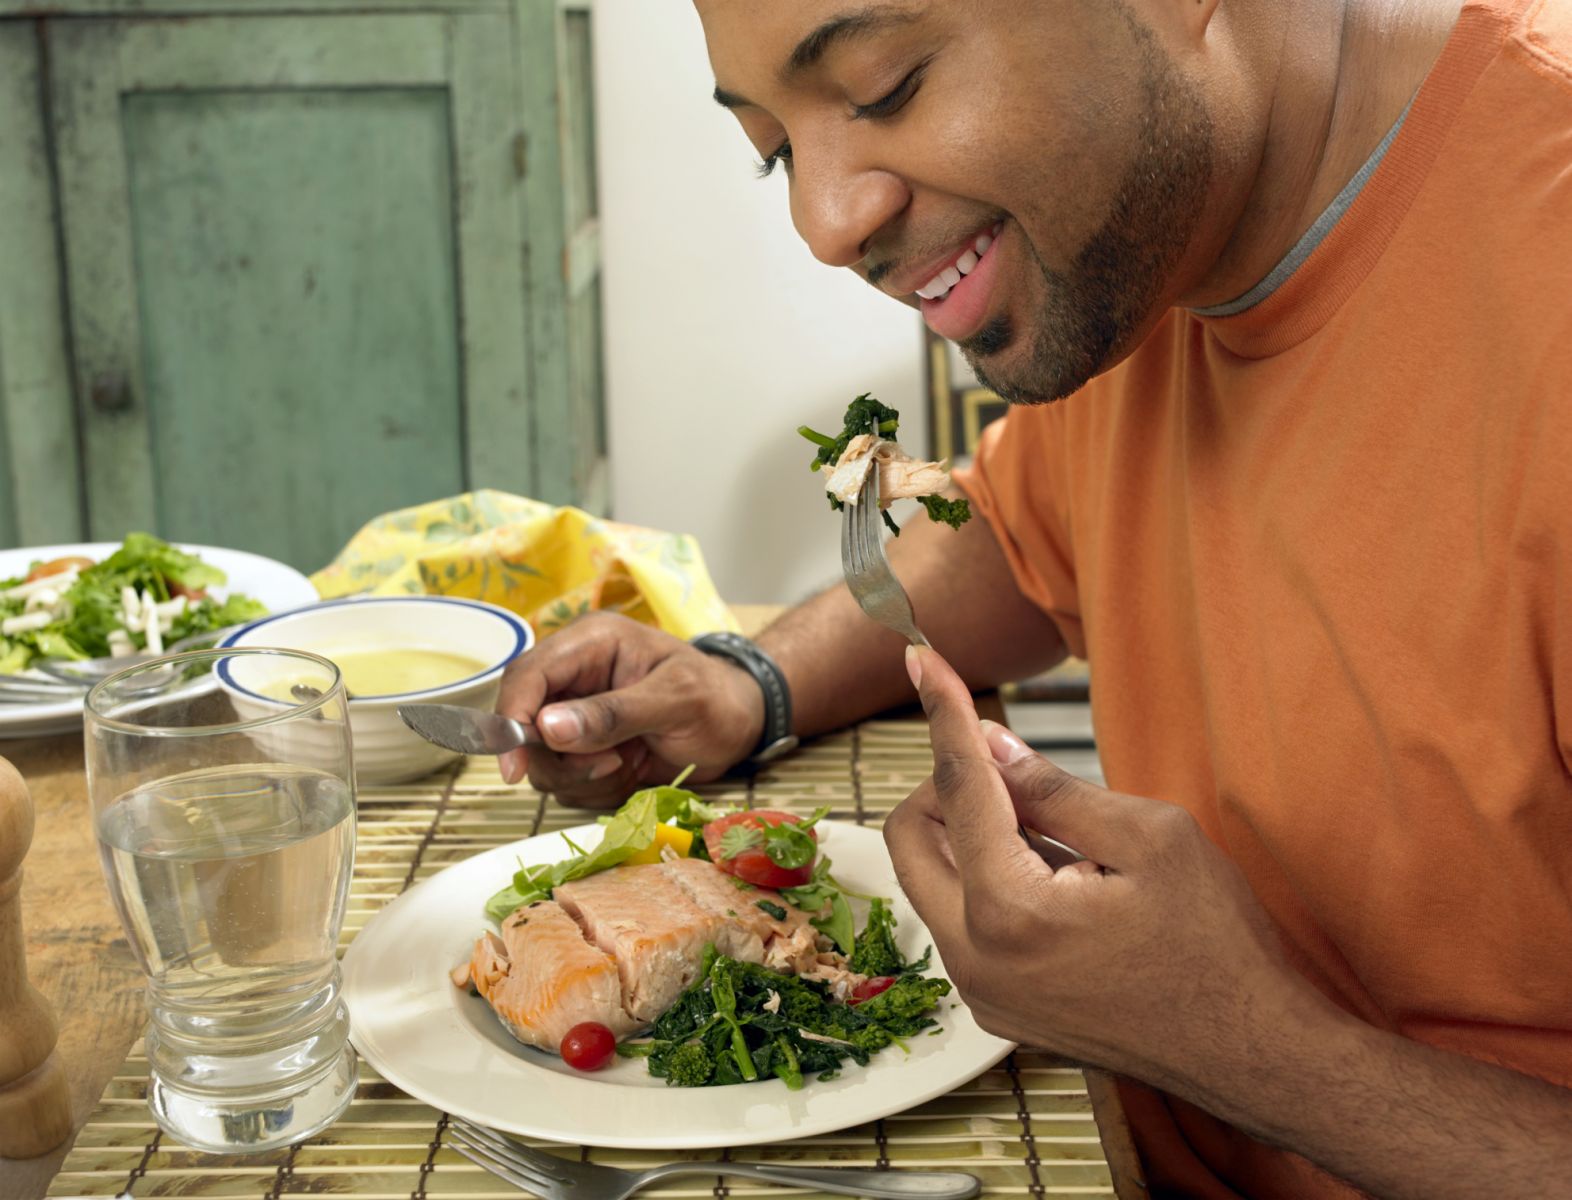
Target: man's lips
x,y
961,307
924,280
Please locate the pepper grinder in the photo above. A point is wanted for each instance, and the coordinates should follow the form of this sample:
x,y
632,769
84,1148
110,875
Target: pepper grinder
x,y
35,1099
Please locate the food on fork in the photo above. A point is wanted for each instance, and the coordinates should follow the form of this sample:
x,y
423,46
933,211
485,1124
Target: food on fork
x,y
857,451
738,981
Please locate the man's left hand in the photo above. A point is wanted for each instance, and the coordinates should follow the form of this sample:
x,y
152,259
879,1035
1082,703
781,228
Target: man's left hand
x,y
1152,959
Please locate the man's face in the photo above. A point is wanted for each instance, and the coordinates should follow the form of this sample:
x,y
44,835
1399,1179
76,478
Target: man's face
x,y
1028,172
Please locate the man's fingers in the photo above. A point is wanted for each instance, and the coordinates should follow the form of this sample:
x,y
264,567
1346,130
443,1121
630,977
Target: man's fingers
x,y
608,719
1103,825
972,799
916,836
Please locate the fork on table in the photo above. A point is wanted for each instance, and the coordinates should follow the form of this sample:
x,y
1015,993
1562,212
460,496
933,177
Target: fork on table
x,y
554,1178
880,595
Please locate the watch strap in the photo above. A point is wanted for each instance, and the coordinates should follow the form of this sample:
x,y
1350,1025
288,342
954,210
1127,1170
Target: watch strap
x,y
776,738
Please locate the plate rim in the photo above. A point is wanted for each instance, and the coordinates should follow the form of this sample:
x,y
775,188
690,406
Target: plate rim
x,y
740,1136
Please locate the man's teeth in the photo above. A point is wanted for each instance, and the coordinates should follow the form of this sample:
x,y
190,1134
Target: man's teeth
x,y
939,286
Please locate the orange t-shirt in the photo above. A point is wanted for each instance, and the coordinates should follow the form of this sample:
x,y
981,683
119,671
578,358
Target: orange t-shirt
x,y
1319,556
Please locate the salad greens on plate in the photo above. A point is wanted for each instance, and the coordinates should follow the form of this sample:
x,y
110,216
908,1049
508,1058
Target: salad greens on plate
x,y
74,609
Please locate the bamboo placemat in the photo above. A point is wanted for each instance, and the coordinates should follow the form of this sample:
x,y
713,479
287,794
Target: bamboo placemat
x,y
1026,1127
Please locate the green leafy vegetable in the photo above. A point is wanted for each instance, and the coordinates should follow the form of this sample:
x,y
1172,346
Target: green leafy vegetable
x,y
876,952
775,910
822,892
627,831
860,416
92,605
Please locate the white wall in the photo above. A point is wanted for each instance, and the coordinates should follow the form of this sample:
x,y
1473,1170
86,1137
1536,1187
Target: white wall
x,y
723,334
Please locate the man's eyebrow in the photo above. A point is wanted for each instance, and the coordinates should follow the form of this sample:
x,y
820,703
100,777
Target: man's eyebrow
x,y
847,26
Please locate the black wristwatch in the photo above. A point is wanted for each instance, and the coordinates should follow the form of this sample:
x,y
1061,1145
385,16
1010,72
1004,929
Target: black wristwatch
x,y
777,738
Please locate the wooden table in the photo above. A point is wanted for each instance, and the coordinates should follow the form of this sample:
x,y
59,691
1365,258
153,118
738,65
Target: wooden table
x,y
78,957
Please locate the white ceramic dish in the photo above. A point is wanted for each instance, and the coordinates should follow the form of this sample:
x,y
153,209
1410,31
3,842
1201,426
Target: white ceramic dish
x,y
386,750
447,1048
276,585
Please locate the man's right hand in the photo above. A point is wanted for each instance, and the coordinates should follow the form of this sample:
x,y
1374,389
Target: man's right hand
x,y
621,705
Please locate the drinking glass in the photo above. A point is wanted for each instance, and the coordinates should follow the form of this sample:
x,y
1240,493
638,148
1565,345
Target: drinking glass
x,y
223,798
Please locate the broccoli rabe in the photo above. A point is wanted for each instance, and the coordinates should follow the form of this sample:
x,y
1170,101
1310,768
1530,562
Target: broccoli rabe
x,y
861,415
690,1065
875,952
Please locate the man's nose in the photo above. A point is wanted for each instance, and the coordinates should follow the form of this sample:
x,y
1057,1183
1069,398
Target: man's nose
x,y
839,205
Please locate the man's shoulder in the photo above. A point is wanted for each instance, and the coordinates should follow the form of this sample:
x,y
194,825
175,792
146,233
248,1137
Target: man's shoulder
x,y
1545,33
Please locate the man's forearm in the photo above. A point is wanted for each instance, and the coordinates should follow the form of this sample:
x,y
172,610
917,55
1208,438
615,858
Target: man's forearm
x,y
842,666
1396,1117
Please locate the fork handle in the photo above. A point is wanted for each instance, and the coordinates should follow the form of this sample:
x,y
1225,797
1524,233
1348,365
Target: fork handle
x,y
897,1184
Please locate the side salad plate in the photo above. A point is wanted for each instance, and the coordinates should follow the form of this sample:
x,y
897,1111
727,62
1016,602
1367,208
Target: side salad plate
x,y
445,1046
274,587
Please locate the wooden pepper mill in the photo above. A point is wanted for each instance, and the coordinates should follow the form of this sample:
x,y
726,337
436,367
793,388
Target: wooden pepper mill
x,y
35,1099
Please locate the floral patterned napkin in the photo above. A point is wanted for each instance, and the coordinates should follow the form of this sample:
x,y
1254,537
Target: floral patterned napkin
x,y
545,563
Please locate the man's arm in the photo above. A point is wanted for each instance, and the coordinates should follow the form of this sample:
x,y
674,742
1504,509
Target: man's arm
x,y
1158,963
842,666
622,705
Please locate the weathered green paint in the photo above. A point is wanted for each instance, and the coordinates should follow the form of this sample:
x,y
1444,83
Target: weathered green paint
x,y
296,286
557,101
303,244
40,487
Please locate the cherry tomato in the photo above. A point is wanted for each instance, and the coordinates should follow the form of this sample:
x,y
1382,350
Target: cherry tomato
x,y
179,589
588,1046
56,565
755,866
869,988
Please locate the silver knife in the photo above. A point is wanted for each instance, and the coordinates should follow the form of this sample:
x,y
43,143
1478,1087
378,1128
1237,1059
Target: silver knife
x,y
468,730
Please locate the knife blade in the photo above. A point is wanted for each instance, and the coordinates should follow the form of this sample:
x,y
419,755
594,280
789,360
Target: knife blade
x,y
468,730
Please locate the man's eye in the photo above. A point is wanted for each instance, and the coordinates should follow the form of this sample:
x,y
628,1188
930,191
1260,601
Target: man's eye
x,y
781,153
890,103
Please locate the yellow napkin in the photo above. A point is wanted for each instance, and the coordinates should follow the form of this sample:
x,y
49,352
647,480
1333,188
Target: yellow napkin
x,y
547,564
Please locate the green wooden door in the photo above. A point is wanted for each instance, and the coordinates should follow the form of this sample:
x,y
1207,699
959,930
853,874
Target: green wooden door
x,y
296,267
557,76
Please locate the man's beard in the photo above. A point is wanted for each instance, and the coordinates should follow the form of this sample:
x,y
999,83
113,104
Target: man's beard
x,y
1094,309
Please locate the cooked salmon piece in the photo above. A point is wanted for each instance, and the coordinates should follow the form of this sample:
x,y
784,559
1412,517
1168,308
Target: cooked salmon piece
x,y
646,922
542,978
746,929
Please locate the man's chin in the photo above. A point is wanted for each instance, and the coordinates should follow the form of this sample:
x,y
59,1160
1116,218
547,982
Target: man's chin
x,y
1026,382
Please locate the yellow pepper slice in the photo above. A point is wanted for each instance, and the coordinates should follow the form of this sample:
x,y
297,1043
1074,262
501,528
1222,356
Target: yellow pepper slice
x,y
680,840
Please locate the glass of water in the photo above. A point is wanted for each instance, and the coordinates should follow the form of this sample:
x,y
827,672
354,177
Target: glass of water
x,y
224,803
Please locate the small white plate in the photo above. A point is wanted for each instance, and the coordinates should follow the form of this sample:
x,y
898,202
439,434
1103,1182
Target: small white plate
x,y
276,585
446,1047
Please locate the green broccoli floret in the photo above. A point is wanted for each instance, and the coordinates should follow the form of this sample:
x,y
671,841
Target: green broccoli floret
x,y
875,952
690,1065
861,414
953,513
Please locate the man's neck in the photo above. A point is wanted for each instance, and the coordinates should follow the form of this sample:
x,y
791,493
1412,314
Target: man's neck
x,y
1343,74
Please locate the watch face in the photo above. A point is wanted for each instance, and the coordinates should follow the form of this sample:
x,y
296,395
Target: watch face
x,y
776,749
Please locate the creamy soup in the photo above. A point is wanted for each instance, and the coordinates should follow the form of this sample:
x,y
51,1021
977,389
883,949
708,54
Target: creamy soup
x,y
388,672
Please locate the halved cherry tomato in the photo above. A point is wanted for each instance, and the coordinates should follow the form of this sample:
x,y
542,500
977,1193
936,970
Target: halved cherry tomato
x,y
177,588
869,988
56,565
588,1046
754,865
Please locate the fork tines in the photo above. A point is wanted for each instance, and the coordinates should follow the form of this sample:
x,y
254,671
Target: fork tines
x,y
533,1170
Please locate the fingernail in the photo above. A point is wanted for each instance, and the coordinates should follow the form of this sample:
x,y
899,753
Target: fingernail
x,y
605,767
914,666
1005,747
561,725
508,767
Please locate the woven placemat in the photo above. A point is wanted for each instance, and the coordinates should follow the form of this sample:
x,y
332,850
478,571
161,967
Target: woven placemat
x,y
1025,1127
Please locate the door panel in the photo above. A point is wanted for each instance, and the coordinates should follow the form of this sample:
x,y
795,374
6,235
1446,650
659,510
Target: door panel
x,y
297,271
295,281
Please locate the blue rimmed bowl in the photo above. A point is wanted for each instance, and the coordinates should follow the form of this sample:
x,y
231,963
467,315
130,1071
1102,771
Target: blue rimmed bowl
x,y
386,751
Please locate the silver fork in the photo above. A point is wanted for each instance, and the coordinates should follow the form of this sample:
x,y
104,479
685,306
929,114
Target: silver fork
x,y
882,597
554,1178
874,586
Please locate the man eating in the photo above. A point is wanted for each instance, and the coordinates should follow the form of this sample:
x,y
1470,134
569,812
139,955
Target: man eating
x,y
1281,295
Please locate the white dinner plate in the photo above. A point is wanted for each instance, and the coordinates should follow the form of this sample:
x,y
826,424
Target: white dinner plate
x,y
277,586
446,1047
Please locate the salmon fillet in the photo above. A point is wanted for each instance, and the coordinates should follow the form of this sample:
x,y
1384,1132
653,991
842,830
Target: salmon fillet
x,y
647,923
745,928
542,978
